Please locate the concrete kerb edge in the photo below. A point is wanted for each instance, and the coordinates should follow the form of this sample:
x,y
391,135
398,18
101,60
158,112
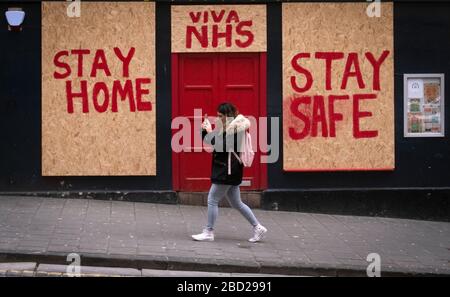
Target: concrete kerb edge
x,y
188,264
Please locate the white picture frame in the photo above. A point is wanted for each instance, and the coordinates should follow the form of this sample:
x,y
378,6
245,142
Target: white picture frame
x,y
424,105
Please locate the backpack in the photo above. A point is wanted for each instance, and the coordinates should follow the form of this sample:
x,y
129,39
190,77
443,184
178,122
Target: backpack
x,y
246,153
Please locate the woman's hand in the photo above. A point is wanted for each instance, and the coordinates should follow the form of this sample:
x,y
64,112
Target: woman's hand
x,y
206,125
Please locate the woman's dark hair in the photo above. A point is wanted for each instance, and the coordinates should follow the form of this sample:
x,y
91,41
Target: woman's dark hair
x,y
228,109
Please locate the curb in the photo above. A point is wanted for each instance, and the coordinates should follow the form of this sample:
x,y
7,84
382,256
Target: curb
x,y
208,265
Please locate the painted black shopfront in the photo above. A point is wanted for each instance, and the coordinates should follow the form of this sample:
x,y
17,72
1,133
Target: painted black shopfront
x,y
419,187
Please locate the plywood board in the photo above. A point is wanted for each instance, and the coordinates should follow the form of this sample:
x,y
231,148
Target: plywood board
x,y
219,28
109,127
356,131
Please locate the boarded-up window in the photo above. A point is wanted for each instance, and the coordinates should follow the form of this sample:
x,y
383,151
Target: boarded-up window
x,y
98,89
338,87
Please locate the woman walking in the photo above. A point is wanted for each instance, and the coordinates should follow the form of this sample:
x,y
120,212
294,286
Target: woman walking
x,y
227,169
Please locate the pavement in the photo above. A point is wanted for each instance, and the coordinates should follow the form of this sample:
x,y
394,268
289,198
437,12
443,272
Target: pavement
x,y
156,237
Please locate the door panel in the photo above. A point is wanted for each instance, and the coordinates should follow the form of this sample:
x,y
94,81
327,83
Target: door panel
x,y
239,84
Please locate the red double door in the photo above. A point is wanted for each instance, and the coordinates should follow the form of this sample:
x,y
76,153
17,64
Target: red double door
x,y
203,81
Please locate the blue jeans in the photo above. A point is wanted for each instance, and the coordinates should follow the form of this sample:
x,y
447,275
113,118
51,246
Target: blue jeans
x,y
233,194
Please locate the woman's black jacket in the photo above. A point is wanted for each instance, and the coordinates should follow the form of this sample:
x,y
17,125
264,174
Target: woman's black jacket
x,y
223,145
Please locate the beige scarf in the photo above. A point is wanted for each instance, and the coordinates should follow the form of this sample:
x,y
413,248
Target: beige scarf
x,y
233,125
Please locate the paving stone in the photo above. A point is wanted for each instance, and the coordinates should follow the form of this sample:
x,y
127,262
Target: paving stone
x,y
59,270
17,267
172,273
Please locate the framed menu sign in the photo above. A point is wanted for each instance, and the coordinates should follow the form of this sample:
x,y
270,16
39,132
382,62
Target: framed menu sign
x,y
424,105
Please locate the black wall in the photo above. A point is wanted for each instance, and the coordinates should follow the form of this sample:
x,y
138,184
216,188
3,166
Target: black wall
x,y
422,33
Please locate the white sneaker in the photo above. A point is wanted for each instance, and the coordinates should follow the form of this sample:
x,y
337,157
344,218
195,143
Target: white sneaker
x,y
206,235
258,233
